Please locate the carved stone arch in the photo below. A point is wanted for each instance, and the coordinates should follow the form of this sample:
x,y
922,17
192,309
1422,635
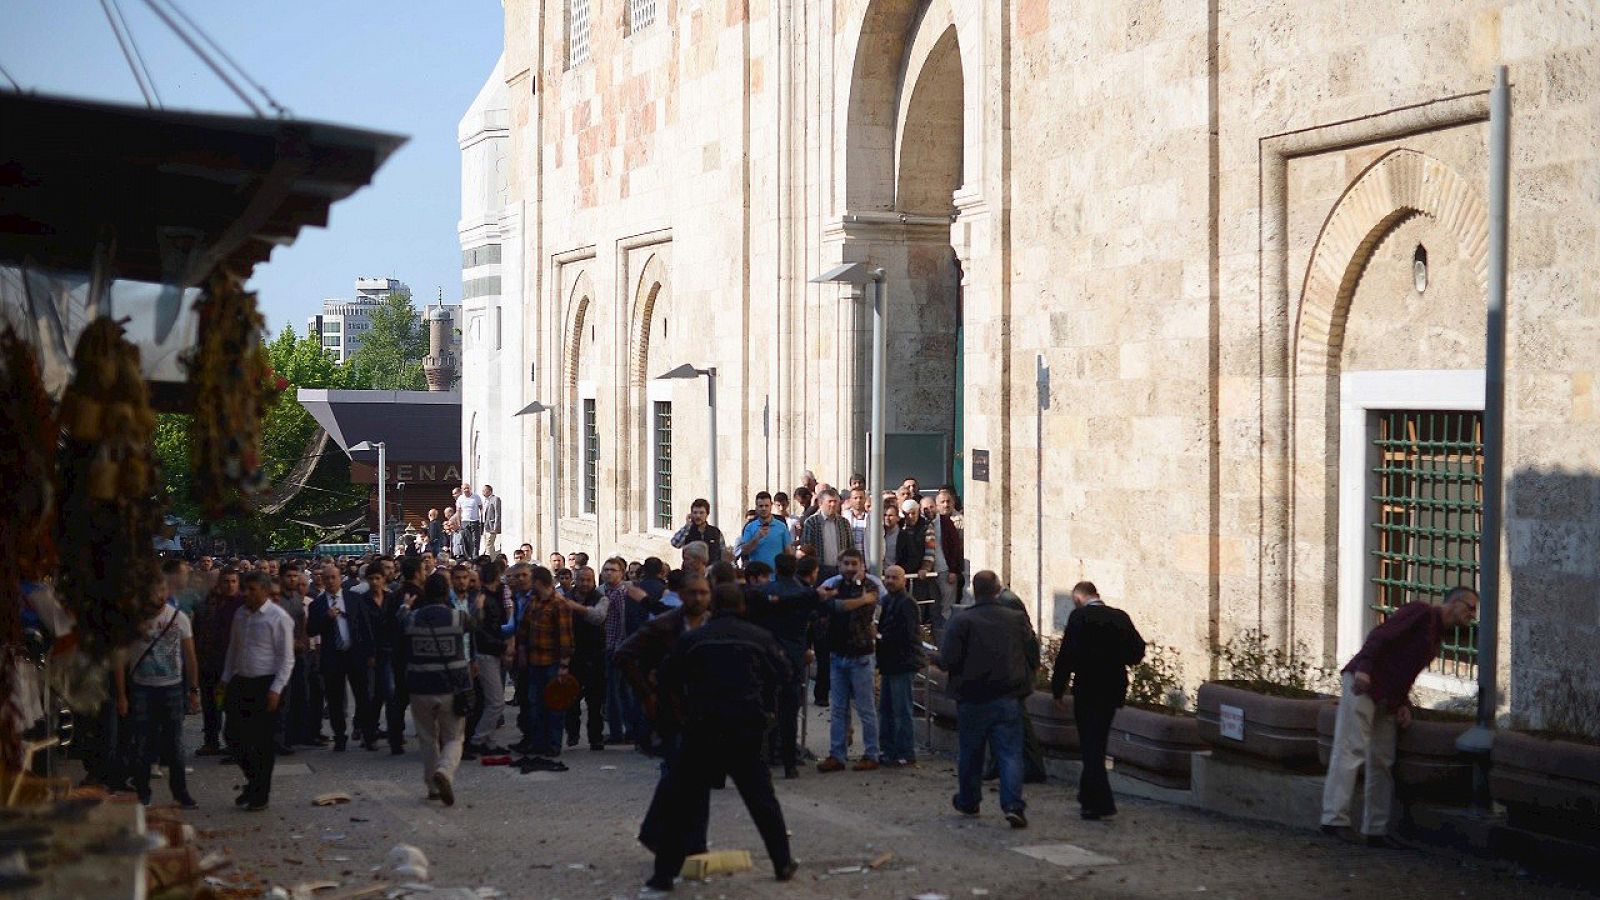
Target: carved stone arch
x,y
881,50
648,295
580,302
1400,184
650,300
579,312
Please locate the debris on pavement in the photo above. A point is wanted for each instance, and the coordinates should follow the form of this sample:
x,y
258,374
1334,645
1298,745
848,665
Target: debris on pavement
x,y
930,895
881,860
332,799
406,861
701,866
845,870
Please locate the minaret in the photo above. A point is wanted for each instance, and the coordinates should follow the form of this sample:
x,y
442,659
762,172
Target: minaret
x,y
440,364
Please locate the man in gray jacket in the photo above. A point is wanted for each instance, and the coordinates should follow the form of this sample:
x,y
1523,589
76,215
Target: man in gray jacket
x,y
990,654
491,522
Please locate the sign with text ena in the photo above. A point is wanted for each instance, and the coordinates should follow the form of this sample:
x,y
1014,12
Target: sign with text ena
x,y
442,473
1230,721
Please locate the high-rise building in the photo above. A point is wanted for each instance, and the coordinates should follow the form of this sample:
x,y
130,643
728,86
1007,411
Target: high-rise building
x,y
343,322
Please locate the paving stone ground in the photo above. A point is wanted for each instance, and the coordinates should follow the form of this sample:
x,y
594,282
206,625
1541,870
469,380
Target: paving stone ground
x,y
571,835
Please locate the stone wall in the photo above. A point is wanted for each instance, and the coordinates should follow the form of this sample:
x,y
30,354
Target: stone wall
x,y
1198,221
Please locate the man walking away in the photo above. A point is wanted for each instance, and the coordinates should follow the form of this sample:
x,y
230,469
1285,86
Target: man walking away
x,y
438,683
851,596
789,609
899,659
491,522
256,672
990,655
1097,647
1375,703
723,677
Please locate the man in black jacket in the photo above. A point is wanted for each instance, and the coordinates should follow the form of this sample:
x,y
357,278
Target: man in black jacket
x,y
723,679
589,658
899,658
339,619
1097,647
990,654
788,610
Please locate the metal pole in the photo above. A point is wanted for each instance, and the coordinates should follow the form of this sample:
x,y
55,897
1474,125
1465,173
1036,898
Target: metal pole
x,y
1480,739
875,463
711,404
383,498
555,495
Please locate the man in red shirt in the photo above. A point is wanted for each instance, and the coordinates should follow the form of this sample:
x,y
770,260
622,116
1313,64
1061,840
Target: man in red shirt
x,y
1375,703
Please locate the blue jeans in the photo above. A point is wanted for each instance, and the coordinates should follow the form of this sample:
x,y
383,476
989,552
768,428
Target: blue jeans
x,y
996,723
851,678
546,725
894,717
622,708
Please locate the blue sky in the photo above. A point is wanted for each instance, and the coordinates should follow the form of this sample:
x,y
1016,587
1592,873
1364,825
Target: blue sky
x,y
405,66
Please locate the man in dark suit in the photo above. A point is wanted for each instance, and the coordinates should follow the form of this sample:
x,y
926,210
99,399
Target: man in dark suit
x,y
787,608
339,619
1097,647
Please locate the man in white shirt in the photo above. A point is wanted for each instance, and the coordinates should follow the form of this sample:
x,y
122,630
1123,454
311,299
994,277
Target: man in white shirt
x,y
259,662
469,509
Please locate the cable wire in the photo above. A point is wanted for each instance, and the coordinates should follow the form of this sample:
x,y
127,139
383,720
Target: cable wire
x,y
127,54
138,54
13,81
204,57
260,89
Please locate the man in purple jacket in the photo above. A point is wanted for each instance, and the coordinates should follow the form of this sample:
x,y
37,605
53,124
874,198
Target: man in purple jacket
x,y
1375,703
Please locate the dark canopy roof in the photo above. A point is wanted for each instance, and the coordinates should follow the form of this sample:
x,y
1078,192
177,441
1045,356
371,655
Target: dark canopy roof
x,y
179,192
416,426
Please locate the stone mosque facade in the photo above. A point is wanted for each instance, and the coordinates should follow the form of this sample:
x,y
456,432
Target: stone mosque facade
x,y
1187,298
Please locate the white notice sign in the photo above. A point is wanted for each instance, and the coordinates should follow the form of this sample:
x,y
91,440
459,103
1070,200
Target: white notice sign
x,y
1231,722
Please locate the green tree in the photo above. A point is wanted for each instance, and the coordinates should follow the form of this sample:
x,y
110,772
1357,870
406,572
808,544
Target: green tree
x,y
287,429
391,352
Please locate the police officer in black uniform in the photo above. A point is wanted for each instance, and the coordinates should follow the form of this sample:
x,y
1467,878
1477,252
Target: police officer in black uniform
x,y
723,678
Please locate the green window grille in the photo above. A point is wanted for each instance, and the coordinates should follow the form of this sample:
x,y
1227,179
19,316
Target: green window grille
x,y
1428,520
663,466
591,456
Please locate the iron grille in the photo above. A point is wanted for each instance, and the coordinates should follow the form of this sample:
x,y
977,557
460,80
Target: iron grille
x,y
577,32
640,14
591,456
663,467
1429,508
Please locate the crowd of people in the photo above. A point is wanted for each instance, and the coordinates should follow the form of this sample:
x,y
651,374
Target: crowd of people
x,y
705,662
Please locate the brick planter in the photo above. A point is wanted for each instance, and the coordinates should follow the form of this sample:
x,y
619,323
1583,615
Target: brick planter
x,y
1054,726
1155,747
1548,785
1281,731
1427,766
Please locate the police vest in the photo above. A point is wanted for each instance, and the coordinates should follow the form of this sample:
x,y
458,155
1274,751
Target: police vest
x,y
435,660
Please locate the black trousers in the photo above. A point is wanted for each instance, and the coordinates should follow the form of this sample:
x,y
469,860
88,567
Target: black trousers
x,y
252,727
685,795
210,712
395,706
591,675
1093,716
790,698
339,672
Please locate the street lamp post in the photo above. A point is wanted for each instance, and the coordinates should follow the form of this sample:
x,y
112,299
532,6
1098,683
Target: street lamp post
x,y
533,409
383,483
688,371
860,274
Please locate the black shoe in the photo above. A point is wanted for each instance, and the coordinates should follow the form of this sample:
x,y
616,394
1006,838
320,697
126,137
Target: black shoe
x,y
339,744
955,801
283,750
597,745
790,773
397,749
656,884
1094,815
209,750
1017,819
469,753
186,802
1382,841
572,740
369,745
256,806
786,871
243,799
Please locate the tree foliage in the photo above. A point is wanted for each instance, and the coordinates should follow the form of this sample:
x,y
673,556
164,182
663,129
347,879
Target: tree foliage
x,y
286,434
391,352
